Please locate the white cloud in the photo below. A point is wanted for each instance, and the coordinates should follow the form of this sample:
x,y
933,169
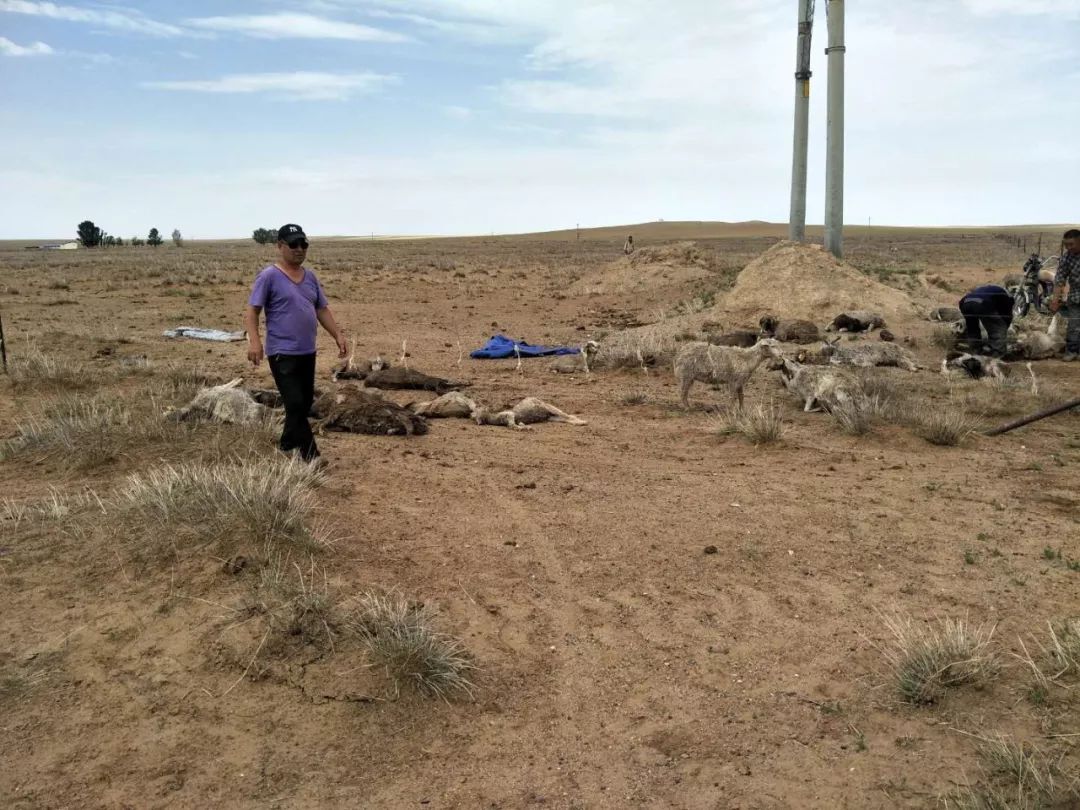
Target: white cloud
x,y
120,20
457,112
307,86
295,26
9,48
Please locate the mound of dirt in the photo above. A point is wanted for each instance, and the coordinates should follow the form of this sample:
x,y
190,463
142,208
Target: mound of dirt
x,y
795,280
649,268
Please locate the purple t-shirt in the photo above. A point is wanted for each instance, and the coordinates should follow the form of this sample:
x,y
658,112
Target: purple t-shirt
x,y
291,323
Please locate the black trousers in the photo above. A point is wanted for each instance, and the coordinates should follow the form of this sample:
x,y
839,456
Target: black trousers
x,y
980,311
294,375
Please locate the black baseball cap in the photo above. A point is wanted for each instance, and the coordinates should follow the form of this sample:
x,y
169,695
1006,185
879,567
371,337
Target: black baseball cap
x,y
291,233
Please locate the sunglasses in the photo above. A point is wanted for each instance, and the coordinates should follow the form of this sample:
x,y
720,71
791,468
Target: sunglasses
x,y
299,243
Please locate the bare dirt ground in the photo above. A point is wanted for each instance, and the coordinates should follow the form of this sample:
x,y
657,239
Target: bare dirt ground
x,y
619,664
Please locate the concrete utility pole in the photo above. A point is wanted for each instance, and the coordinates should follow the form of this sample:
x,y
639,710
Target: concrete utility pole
x,y
834,160
797,217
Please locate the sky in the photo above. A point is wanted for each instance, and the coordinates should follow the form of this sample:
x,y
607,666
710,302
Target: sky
x,y
500,116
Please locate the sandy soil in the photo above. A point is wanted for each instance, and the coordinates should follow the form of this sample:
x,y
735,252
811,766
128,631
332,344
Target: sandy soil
x,y
620,664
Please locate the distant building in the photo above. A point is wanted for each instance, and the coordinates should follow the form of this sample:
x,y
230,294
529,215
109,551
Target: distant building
x,y
61,246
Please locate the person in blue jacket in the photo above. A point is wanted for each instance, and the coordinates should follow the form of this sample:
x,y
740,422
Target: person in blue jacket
x,y
989,307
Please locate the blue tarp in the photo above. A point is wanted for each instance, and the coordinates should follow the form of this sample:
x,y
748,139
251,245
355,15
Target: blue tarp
x,y
501,346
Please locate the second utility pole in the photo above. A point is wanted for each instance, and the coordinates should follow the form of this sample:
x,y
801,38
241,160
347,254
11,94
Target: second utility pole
x,y
834,159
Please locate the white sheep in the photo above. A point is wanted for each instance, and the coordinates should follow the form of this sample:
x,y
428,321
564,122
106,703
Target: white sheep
x,y
820,387
573,363
720,365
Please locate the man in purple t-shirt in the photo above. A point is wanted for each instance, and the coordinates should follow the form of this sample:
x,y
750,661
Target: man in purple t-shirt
x,y
294,304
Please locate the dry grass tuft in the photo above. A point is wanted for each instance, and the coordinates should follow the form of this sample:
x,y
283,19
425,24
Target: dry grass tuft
x,y
641,347
84,432
261,501
296,604
1017,777
855,416
1059,657
35,370
400,634
944,337
634,398
759,424
927,661
56,507
946,425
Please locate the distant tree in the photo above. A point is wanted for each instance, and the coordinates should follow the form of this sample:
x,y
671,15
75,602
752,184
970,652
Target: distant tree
x,y
136,241
177,238
153,239
89,234
119,242
109,240
264,236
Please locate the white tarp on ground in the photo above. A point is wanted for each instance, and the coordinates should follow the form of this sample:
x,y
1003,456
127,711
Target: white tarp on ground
x,y
201,333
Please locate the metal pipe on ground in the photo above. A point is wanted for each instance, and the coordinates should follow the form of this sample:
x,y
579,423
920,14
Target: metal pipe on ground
x,y
1035,417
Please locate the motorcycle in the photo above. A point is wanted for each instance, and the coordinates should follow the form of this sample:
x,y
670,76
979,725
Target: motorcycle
x,y
1034,289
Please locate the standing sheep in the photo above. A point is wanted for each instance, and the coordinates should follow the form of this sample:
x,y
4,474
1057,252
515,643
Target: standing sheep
x,y
720,365
573,363
819,387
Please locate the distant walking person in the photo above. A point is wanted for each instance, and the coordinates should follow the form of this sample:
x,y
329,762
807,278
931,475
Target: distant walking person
x,y
989,306
628,245
1068,274
295,304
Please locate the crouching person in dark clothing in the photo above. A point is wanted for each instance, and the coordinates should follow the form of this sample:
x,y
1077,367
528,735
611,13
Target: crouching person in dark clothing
x,y
295,304
991,307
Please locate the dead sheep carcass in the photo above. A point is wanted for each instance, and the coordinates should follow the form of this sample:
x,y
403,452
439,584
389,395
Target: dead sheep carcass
x,y
1035,344
358,371
789,331
868,355
819,387
451,405
856,320
353,410
397,377
226,403
729,366
573,363
973,366
743,338
527,412
945,315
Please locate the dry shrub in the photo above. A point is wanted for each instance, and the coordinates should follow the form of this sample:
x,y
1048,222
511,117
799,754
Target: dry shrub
x,y
945,424
759,424
400,634
927,661
640,347
36,370
260,501
634,398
